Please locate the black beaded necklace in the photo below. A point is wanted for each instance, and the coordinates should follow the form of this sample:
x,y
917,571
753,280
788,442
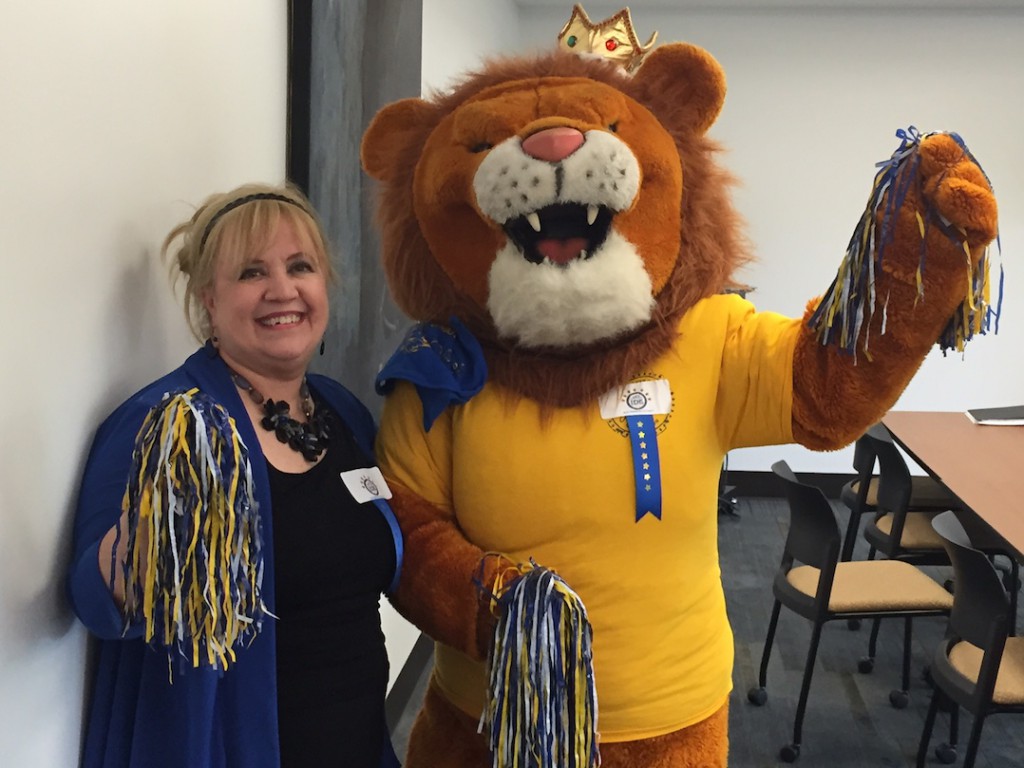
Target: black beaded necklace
x,y
309,438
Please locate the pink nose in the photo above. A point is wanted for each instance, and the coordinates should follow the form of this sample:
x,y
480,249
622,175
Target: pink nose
x,y
553,144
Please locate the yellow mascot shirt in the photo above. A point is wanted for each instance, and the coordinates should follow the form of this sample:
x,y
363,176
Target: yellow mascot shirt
x,y
562,491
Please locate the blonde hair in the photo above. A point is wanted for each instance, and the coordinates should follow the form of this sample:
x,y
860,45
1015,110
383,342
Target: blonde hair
x,y
234,225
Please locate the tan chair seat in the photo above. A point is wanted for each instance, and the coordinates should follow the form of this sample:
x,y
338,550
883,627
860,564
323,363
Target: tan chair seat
x,y
875,585
919,534
925,493
917,530
966,659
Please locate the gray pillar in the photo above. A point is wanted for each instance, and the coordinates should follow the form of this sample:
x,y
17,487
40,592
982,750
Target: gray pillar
x,y
366,53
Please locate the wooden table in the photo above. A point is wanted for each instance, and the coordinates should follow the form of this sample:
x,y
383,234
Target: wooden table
x,y
983,466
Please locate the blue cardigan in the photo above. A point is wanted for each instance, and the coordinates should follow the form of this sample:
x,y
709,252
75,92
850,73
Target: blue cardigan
x,y
138,717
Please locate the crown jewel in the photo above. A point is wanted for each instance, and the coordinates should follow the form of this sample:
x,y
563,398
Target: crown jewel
x,y
612,39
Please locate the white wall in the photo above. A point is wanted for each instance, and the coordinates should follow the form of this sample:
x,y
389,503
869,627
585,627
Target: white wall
x,y
116,115
814,100
457,35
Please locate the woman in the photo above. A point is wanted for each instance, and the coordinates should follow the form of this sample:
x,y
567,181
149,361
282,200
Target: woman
x,y
308,690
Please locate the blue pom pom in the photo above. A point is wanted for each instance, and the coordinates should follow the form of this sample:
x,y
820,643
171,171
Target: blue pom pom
x,y
194,567
542,711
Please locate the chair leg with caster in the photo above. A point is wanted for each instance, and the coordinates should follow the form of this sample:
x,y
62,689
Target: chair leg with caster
x,y
866,664
790,752
926,733
946,754
899,699
758,695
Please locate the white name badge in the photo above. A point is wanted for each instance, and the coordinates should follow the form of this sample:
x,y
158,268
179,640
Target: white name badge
x,y
647,398
366,484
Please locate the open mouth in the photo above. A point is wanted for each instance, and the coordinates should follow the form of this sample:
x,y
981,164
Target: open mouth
x,y
560,234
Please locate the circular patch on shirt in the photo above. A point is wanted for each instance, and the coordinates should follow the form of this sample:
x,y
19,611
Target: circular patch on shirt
x,y
636,397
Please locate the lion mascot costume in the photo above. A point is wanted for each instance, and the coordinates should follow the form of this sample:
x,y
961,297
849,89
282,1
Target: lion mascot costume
x,y
558,418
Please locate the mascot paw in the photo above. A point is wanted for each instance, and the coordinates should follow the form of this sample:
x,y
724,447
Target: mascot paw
x,y
958,189
494,572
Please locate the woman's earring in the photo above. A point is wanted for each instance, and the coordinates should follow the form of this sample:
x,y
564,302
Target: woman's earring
x,y
323,346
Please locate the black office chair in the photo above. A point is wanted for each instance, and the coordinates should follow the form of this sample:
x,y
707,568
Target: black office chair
x,y
822,589
900,532
896,530
978,666
860,495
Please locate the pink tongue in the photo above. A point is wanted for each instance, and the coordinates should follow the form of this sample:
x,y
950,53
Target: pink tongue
x,y
561,251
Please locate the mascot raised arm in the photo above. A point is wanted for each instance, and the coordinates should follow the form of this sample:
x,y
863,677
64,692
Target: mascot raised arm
x,y
555,424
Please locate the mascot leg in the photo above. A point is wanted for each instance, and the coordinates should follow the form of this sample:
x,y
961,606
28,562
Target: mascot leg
x,y
703,745
444,737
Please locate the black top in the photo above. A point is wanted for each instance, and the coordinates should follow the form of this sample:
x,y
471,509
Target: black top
x,y
333,559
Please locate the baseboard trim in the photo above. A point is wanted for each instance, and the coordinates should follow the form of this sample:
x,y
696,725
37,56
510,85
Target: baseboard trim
x,y
405,684
765,484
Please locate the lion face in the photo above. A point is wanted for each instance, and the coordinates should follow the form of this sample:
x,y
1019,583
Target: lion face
x,y
548,179
551,203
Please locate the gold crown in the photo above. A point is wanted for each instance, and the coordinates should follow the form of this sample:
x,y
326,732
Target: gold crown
x,y
612,38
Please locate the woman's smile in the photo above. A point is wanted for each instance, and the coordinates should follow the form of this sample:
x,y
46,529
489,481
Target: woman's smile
x,y
282,319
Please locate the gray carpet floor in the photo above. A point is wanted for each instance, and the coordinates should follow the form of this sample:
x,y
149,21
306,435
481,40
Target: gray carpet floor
x,y
849,722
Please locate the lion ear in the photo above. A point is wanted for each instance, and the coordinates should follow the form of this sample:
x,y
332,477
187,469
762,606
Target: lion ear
x,y
684,81
390,133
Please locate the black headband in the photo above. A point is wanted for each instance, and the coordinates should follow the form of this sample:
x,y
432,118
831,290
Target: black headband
x,y
239,202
